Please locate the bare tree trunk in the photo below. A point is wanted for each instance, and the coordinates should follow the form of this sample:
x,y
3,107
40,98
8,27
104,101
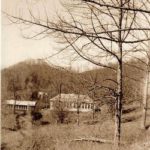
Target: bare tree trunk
x,y
119,97
118,109
93,112
93,104
146,87
78,121
14,109
78,111
145,98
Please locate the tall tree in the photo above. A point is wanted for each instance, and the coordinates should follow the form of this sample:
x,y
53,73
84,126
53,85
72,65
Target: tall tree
x,y
146,51
147,83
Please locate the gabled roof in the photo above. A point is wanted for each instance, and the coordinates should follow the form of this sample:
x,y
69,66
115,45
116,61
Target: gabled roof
x,y
21,103
72,97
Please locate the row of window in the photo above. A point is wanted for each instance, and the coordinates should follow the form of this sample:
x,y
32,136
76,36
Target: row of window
x,y
20,107
74,105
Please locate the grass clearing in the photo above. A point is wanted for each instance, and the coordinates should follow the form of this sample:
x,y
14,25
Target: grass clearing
x,y
54,136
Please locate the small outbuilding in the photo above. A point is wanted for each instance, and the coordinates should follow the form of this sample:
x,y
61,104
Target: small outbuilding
x,y
21,105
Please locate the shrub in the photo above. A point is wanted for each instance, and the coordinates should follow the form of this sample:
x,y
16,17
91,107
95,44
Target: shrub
x,y
60,112
36,116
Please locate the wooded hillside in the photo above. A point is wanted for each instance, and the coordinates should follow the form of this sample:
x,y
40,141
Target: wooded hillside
x,y
29,76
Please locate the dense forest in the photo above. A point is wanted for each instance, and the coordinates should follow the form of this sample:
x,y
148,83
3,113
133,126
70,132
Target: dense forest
x,y
20,81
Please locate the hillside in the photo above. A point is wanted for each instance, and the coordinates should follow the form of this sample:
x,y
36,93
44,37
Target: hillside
x,y
29,76
32,75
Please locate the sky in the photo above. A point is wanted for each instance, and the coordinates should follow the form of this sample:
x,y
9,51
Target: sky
x,y
15,48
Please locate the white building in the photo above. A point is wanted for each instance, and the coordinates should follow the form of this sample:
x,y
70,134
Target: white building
x,y
73,102
21,105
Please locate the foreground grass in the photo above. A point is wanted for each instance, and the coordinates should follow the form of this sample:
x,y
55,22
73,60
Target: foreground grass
x,y
62,136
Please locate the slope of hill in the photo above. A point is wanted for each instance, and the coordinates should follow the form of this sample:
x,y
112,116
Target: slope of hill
x,y
29,76
32,75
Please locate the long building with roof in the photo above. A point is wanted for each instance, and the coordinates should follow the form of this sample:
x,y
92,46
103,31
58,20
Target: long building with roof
x,y
21,105
72,102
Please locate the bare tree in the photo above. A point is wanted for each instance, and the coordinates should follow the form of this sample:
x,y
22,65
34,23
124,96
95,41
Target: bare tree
x,y
92,90
146,86
78,89
100,32
145,96
14,86
78,109
146,53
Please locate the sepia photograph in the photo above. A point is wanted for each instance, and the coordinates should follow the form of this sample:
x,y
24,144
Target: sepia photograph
x,y
75,74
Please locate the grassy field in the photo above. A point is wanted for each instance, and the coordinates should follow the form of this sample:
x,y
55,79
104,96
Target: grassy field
x,y
53,136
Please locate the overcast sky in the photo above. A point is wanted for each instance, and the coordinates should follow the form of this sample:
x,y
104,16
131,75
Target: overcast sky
x,y
15,48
